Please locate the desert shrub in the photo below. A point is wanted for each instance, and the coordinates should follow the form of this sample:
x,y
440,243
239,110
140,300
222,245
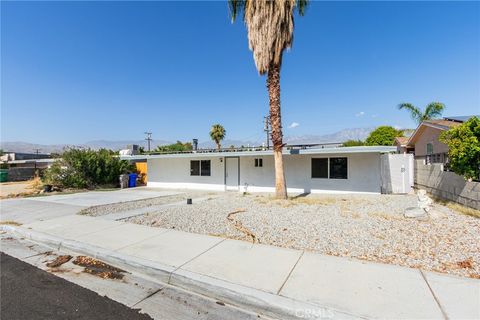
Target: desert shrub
x,y
85,168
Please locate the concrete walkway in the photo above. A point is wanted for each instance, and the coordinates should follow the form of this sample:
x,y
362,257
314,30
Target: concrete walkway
x,y
276,282
27,210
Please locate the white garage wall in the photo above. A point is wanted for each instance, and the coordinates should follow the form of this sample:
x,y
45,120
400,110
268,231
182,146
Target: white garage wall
x,y
363,174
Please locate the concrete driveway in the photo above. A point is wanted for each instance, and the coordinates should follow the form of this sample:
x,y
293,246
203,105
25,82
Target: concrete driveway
x,y
28,210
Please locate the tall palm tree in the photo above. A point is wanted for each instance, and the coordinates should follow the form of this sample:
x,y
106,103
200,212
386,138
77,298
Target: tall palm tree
x,y
270,31
217,133
432,111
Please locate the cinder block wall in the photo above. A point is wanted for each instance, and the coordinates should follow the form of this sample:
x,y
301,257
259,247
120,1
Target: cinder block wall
x,y
446,185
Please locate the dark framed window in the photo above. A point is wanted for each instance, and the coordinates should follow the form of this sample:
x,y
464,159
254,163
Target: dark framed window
x,y
338,168
194,168
205,167
200,168
429,148
319,167
258,162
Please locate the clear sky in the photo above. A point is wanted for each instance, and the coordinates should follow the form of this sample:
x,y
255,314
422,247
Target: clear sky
x,y
78,71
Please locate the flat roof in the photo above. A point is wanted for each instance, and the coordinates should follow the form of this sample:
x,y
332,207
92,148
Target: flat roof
x,y
258,153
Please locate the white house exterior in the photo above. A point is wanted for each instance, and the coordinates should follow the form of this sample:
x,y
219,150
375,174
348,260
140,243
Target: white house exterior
x,y
326,170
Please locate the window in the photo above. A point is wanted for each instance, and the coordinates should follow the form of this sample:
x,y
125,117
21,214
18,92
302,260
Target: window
x,y
205,167
195,168
200,168
429,148
258,162
320,168
338,168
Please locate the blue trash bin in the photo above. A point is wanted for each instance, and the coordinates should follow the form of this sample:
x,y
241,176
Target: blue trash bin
x,y
132,180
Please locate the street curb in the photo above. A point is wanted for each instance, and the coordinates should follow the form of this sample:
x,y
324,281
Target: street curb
x,y
254,300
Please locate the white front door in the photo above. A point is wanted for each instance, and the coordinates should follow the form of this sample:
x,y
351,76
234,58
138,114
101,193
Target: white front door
x,y
232,172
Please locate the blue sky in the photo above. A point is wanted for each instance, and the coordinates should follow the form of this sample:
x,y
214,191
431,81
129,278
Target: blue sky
x,y
78,71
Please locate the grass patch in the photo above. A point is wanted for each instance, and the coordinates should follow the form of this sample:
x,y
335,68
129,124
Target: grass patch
x,y
292,201
10,223
458,208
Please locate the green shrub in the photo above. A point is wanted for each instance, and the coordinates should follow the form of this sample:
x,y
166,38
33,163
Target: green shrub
x,y
383,136
85,168
464,148
353,143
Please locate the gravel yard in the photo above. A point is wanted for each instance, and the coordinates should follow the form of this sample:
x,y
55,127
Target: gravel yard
x,y
101,210
370,227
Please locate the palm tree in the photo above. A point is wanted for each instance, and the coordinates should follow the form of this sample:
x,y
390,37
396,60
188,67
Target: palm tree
x,y
270,31
217,133
432,111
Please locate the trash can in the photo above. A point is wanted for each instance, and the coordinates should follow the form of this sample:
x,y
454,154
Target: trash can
x,y
124,178
132,180
3,175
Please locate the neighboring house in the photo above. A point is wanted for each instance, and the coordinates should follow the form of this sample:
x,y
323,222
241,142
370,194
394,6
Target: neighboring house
x,y
402,145
23,166
425,139
315,170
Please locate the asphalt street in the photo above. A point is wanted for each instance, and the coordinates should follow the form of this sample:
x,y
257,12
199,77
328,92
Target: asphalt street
x,y
30,293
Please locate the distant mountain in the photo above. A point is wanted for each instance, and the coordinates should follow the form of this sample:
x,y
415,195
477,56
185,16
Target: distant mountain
x,y
340,136
20,146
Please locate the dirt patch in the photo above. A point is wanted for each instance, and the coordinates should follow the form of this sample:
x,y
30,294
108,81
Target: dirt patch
x,y
59,261
98,268
240,227
10,223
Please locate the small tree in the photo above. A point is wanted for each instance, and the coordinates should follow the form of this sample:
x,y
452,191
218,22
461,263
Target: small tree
x,y
463,144
217,133
383,136
175,147
353,143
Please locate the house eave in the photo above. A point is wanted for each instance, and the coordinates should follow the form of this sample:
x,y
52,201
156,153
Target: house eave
x,y
260,153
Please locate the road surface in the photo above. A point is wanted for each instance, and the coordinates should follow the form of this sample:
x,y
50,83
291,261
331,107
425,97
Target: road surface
x,y
30,293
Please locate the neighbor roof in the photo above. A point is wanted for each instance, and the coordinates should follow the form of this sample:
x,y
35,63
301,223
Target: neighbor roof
x,y
461,118
403,141
203,154
440,124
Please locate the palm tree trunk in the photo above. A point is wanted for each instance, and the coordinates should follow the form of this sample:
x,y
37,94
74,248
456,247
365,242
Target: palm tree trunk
x,y
218,146
273,86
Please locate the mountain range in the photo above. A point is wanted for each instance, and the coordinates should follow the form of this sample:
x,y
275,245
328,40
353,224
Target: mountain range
x,y
340,136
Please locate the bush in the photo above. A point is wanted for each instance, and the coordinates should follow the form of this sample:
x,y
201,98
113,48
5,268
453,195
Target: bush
x,y
464,148
383,136
85,168
353,143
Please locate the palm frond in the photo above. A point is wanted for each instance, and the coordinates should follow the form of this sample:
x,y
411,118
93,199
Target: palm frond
x,y
270,27
236,7
433,110
415,113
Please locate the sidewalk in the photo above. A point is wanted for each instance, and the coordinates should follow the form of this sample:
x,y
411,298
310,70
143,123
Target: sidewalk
x,y
276,282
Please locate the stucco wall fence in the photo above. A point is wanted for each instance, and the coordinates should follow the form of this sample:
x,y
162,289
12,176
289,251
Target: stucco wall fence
x,y
446,185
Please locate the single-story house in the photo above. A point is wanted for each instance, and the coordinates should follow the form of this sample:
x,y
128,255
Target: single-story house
x,y
311,170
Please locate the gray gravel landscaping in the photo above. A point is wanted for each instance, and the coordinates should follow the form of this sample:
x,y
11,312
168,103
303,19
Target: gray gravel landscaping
x,y
370,227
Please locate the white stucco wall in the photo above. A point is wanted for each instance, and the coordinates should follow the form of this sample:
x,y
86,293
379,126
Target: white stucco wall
x,y
363,174
175,173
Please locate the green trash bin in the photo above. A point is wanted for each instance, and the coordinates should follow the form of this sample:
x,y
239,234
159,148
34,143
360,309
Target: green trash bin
x,y
3,175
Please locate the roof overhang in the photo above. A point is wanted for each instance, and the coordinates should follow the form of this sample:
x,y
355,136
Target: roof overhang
x,y
259,153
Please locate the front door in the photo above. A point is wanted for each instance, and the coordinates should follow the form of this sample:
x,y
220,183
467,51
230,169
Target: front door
x,y
232,171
